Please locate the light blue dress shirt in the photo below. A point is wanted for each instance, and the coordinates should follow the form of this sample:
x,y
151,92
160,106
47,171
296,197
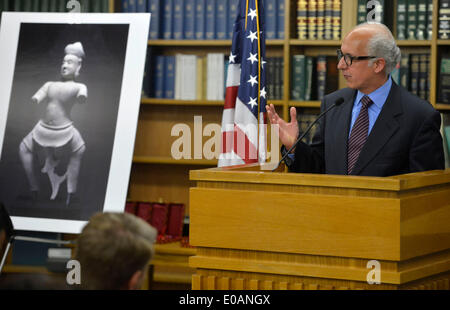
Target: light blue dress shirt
x,y
378,97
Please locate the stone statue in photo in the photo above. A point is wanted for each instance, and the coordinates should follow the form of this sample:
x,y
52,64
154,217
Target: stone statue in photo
x,y
55,129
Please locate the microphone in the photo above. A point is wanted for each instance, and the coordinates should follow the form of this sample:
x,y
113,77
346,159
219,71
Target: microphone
x,y
338,102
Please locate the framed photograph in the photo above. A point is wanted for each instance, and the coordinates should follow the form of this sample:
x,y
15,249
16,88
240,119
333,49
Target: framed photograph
x,y
70,91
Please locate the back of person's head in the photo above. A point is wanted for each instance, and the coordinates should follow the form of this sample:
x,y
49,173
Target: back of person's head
x,y
114,250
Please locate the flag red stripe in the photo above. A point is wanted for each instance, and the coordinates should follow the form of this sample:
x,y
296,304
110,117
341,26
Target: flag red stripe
x,y
246,150
230,97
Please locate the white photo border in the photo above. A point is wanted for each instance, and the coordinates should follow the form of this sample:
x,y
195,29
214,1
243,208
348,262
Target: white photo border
x,y
130,98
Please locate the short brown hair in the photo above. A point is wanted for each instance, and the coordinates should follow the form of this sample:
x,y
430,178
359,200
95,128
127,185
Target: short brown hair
x,y
111,248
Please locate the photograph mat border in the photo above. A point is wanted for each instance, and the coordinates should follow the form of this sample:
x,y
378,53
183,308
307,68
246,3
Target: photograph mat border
x,y
128,111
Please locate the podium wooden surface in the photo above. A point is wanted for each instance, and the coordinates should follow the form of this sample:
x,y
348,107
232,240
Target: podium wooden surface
x,y
257,229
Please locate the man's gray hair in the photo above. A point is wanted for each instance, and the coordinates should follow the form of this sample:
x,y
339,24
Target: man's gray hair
x,y
383,45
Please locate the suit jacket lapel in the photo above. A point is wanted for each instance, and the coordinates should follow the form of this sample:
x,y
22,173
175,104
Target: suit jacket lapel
x,y
342,120
385,126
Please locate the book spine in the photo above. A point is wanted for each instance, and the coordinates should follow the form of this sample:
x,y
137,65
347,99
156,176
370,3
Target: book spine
x,y
429,19
141,6
62,6
178,19
35,6
144,211
200,19
302,20
179,69
159,218
415,62
97,6
154,7
200,78
277,79
168,19
444,19
361,15
298,77
210,19
321,76
105,6
125,5
131,207
421,20
189,19
175,220
422,76
270,78
147,83
221,20
132,6
53,6
402,14
232,14
320,19
44,6
412,19
336,22
24,6
169,76
405,72
309,77
312,19
159,77
4,5
280,19
271,19
328,28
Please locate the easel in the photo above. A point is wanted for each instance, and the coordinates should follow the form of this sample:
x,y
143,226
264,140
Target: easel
x,y
29,239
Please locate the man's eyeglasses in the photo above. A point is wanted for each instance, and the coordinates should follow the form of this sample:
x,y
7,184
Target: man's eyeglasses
x,y
349,59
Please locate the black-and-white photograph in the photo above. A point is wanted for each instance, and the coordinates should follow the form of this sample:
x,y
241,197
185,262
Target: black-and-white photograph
x,y
62,119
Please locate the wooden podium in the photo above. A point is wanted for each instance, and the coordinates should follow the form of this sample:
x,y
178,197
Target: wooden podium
x,y
257,229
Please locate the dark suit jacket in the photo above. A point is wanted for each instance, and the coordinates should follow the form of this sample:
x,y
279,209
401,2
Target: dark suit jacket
x,y
405,138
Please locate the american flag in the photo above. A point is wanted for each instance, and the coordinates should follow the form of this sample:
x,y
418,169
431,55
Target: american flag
x,y
244,139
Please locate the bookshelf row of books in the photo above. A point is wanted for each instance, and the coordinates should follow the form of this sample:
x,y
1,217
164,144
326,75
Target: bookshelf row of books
x,y
444,19
193,77
186,77
93,6
413,73
313,77
167,218
319,19
187,19
413,19
274,78
201,19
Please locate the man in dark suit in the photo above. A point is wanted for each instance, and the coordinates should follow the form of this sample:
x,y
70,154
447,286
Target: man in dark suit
x,y
380,129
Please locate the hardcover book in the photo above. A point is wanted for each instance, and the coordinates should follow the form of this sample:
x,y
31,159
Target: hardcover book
x,y
144,211
175,220
159,217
